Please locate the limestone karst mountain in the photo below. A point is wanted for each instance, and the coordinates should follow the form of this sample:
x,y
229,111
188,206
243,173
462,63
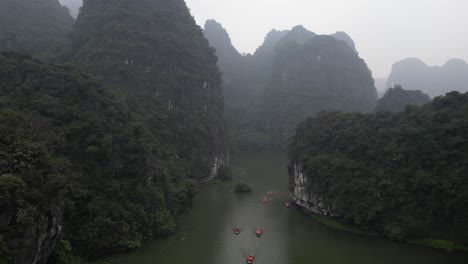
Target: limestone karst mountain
x,y
414,74
39,27
279,84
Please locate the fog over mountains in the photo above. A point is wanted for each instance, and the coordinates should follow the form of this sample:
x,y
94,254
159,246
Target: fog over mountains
x,y
414,74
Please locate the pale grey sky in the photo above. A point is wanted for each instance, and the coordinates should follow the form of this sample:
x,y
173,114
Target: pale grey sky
x,y
385,31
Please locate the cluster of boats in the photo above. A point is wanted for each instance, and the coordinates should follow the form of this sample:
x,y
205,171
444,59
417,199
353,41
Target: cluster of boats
x,y
258,232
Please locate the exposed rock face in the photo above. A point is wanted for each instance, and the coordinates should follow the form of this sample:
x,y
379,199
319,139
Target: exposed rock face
x,y
35,243
302,196
396,99
414,74
158,56
39,27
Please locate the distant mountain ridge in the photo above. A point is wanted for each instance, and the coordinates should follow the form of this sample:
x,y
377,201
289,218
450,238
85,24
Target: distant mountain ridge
x,y
414,74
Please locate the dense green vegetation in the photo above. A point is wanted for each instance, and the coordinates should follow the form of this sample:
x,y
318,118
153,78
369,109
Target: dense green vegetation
x,y
30,182
38,28
122,183
403,174
151,54
130,145
396,99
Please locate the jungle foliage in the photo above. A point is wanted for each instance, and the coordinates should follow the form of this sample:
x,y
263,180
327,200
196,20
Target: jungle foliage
x,y
403,174
122,184
396,99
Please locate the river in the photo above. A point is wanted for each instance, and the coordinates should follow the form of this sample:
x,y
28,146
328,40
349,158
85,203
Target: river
x,y
290,236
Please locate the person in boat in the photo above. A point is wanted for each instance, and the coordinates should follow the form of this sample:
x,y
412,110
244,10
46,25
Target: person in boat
x,y
287,204
236,230
264,200
250,258
259,232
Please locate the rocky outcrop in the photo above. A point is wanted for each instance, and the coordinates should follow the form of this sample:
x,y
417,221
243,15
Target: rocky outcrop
x,y
302,196
414,74
34,242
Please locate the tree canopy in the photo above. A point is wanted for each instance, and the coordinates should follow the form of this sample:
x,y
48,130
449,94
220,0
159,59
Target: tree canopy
x,y
403,174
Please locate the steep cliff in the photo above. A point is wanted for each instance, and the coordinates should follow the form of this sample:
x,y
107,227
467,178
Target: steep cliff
x,y
153,55
312,74
39,27
378,171
413,74
396,99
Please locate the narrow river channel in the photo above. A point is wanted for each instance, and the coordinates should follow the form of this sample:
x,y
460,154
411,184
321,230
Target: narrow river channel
x,y
290,236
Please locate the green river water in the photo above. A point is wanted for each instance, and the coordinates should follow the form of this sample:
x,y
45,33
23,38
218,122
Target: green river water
x,y
290,236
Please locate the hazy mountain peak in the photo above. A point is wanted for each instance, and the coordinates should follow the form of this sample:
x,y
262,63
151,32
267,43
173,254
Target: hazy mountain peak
x,y
299,35
341,35
455,63
219,39
414,74
411,62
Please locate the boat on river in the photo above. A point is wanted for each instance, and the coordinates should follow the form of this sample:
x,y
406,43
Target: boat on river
x,y
258,233
250,259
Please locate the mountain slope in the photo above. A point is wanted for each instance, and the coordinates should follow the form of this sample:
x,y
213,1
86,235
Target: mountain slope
x,y
152,54
39,27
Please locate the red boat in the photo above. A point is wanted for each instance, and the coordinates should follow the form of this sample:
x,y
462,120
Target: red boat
x,y
250,259
264,200
259,232
287,205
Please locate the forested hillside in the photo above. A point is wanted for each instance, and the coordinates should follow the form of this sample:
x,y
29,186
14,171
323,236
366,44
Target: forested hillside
x,y
125,135
39,27
120,183
152,54
396,99
403,174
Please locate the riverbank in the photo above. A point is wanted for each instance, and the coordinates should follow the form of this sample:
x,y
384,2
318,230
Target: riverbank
x,y
438,244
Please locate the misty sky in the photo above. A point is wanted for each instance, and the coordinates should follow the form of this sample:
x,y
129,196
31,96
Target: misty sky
x,y
385,31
